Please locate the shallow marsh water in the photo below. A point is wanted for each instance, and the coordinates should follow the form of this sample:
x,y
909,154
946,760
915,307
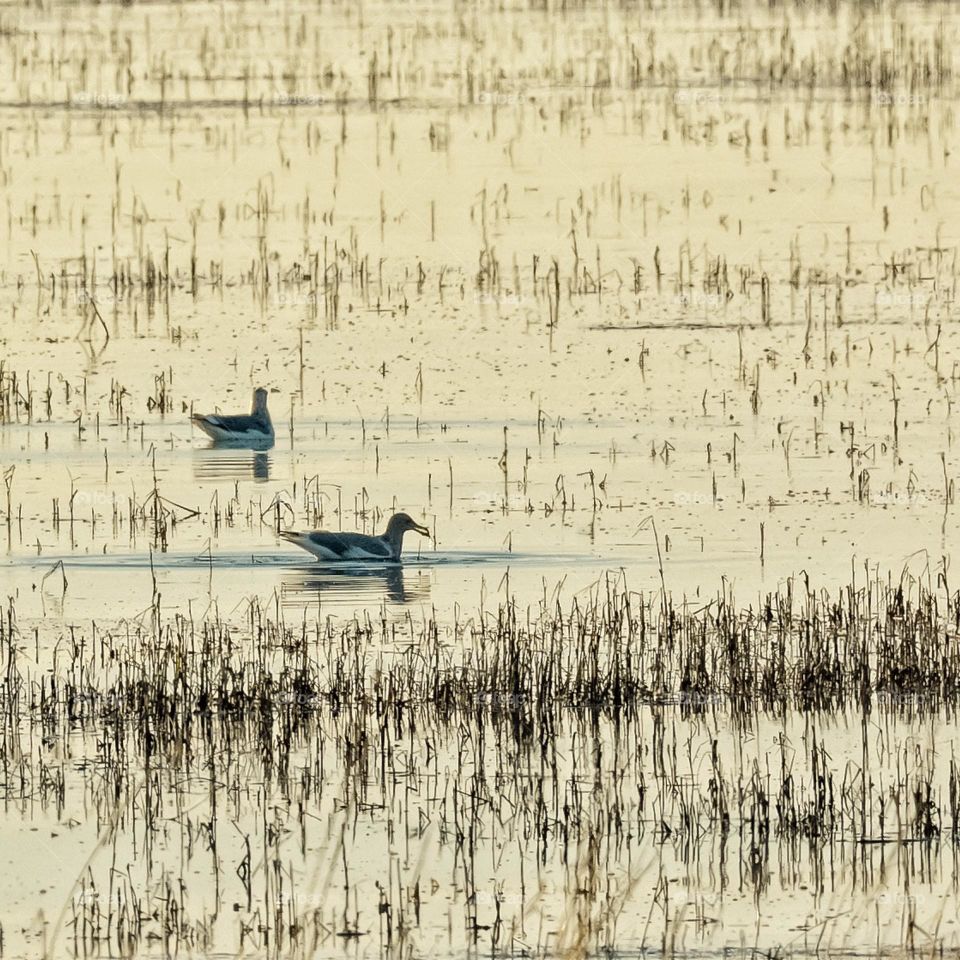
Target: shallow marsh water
x,y
593,290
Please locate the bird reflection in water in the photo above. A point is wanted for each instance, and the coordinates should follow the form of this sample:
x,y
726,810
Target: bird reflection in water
x,y
233,460
355,583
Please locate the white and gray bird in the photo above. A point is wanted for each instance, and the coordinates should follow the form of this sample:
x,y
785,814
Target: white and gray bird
x,y
325,545
254,426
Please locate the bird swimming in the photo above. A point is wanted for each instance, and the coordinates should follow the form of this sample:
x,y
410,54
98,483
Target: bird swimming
x,y
254,426
325,545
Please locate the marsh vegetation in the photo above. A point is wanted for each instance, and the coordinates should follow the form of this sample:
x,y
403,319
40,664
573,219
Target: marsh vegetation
x,y
646,310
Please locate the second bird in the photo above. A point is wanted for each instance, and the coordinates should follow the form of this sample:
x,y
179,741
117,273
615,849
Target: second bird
x,y
254,426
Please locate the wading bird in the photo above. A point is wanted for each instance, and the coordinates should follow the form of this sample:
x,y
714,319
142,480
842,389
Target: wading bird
x,y
252,427
325,545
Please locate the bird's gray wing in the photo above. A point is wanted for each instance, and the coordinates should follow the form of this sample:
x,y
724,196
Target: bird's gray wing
x,y
238,424
346,545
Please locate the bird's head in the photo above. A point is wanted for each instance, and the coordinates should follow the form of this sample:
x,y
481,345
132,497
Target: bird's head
x,y
400,523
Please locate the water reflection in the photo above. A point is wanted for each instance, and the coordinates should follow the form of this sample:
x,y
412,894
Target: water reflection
x,y
354,584
233,460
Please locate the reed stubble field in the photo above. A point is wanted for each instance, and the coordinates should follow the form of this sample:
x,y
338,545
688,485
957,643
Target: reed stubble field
x,y
646,309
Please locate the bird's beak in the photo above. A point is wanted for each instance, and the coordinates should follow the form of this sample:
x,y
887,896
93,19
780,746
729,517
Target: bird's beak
x,y
424,530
